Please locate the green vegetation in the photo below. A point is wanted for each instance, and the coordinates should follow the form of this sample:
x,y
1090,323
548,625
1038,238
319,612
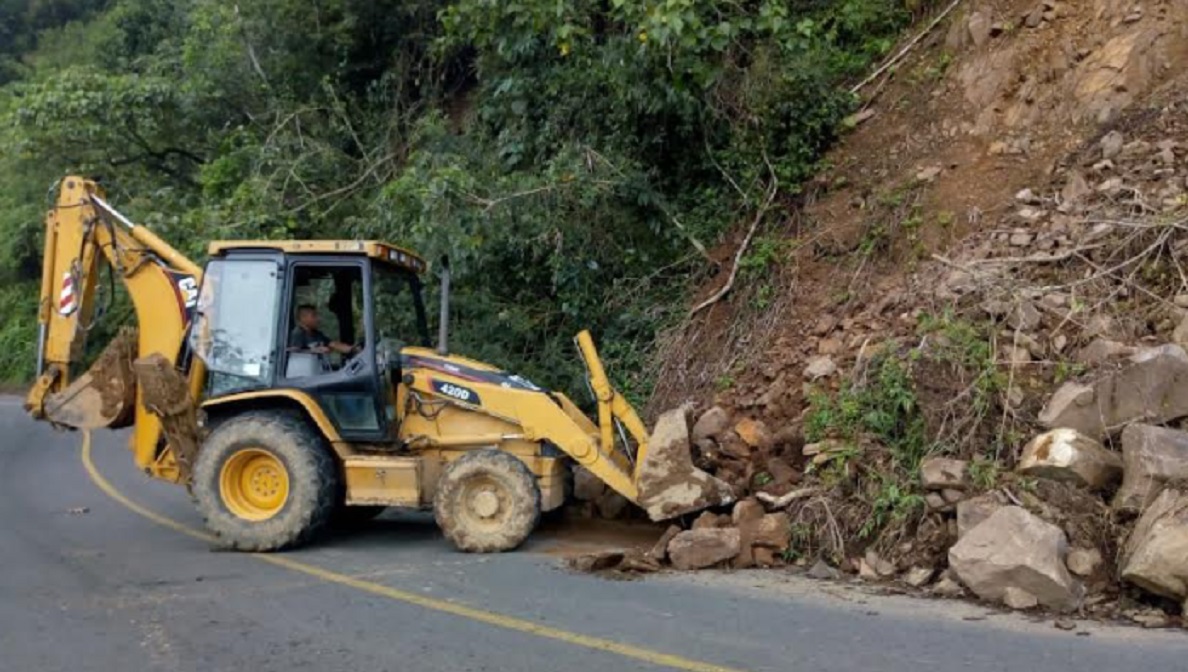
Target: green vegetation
x,y
570,156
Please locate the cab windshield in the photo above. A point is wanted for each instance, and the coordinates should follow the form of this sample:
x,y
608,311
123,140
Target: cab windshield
x,y
399,308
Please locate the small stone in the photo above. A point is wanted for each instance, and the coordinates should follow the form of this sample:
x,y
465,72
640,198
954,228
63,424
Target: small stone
x,y
829,346
940,473
1083,561
822,571
1017,598
1064,454
882,568
745,510
978,26
1111,145
918,577
754,432
928,174
586,486
947,587
1021,239
1065,624
936,502
820,367
952,496
1028,196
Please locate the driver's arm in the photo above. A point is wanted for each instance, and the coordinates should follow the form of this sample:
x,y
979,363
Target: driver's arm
x,y
342,347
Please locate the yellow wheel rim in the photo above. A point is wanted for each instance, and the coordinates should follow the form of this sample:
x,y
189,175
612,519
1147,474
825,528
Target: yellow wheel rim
x,y
254,484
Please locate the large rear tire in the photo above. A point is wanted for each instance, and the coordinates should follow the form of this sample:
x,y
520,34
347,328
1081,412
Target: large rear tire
x,y
264,481
487,501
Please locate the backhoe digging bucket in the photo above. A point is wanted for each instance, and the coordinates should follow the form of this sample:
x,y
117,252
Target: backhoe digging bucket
x,y
104,396
666,483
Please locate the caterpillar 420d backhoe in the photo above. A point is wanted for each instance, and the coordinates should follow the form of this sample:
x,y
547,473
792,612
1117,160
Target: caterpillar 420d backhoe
x,y
233,389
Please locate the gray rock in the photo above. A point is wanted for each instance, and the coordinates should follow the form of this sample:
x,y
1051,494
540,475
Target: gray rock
x,y
820,367
1102,350
1111,145
971,512
979,28
821,570
711,424
941,473
918,577
1017,598
1150,387
1067,455
1156,555
1151,457
1016,549
697,549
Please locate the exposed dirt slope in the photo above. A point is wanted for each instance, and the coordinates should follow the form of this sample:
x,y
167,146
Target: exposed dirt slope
x,y
1006,95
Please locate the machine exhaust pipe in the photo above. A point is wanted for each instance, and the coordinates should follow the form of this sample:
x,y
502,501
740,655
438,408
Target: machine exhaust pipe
x,y
443,324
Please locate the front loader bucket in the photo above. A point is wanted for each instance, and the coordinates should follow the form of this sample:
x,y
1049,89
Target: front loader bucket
x,y
664,480
104,396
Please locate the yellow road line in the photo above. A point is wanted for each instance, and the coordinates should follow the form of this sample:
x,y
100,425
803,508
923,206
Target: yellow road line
x,y
470,613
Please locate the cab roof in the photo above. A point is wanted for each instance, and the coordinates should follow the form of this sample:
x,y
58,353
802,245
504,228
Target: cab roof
x,y
376,249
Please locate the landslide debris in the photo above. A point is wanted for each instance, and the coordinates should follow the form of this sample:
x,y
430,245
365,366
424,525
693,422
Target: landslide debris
x,y
972,330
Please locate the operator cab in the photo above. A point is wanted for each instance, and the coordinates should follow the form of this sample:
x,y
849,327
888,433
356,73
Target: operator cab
x,y
326,318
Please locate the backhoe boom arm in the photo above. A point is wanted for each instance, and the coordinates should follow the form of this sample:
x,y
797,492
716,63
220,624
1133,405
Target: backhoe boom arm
x,y
83,235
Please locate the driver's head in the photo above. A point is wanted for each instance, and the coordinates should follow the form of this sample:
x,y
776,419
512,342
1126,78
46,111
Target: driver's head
x,y
307,316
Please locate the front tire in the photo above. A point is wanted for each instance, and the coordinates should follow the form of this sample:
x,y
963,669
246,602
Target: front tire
x,y
264,482
487,501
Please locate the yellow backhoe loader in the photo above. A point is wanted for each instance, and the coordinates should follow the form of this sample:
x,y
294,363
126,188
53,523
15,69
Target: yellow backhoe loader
x,y
233,389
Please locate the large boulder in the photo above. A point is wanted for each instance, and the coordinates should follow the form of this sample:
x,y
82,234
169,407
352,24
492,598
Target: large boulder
x,y
972,512
1067,455
669,484
1156,555
695,549
1152,456
1151,387
1013,549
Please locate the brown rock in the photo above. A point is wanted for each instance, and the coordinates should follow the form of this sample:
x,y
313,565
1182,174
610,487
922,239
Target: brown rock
x,y
1016,549
971,512
947,587
1083,561
773,531
1151,387
669,484
781,472
711,424
1067,455
978,26
746,510
659,551
754,433
1152,457
696,549
709,520
1156,555
940,473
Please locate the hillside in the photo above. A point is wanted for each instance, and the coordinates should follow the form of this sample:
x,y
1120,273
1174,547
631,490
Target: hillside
x,y
1005,219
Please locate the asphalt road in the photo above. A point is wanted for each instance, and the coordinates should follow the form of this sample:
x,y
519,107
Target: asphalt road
x,y
112,588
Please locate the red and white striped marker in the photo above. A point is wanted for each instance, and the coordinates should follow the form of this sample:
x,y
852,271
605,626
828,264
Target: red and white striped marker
x,y
67,299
